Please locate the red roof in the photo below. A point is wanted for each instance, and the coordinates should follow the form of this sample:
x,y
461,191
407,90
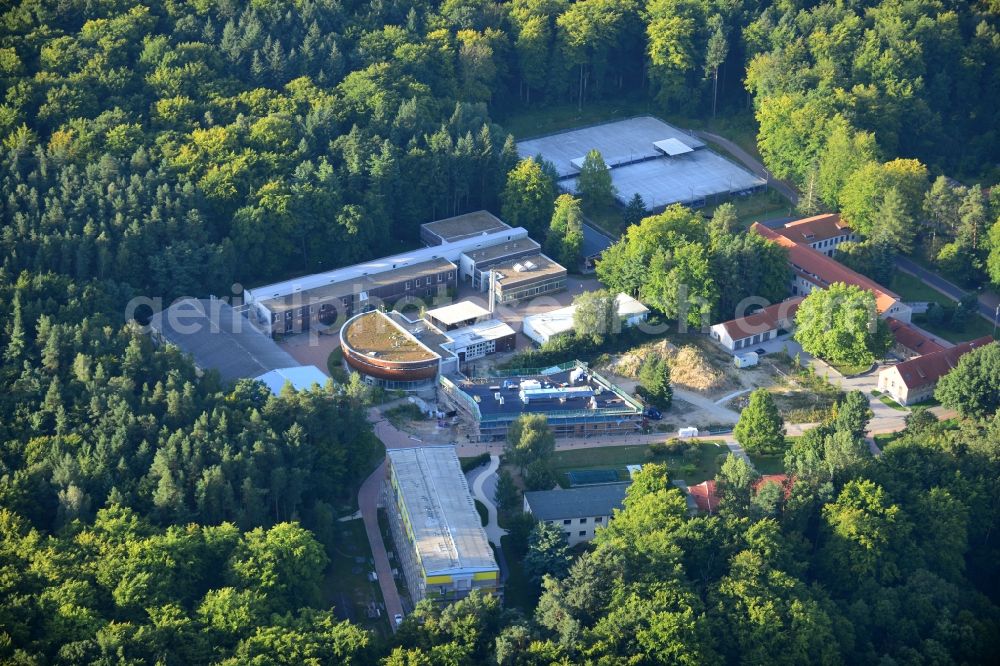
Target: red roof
x,y
774,316
782,480
704,496
815,229
823,271
928,369
912,339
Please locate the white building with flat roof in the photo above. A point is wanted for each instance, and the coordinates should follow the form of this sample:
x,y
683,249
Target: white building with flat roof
x,y
440,541
547,325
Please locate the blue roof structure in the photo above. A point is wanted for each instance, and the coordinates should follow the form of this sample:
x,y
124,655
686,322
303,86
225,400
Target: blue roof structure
x,y
302,378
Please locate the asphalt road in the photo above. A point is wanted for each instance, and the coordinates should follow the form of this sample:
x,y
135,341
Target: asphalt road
x,y
752,163
952,291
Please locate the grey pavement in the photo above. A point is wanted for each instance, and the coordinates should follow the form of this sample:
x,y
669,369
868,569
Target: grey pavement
x,y
482,482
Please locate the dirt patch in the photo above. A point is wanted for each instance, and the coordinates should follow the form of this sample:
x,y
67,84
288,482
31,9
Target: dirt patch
x,y
690,366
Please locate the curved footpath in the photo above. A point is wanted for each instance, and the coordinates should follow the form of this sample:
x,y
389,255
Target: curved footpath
x,y
477,478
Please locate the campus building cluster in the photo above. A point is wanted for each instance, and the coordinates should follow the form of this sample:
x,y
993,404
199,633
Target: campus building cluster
x,y
391,350
811,244
466,250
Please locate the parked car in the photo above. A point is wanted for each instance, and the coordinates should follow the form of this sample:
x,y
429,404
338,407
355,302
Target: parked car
x,y
398,619
654,414
761,351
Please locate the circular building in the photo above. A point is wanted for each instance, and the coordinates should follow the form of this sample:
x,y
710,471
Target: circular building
x,y
386,354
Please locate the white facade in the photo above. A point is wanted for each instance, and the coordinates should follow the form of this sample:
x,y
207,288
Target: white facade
x,y
543,327
891,382
719,333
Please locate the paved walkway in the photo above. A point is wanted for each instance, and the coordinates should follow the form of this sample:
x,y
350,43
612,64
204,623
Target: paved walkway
x,y
735,394
482,482
752,163
724,415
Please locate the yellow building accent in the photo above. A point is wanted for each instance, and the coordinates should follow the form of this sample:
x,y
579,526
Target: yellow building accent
x,y
485,575
438,580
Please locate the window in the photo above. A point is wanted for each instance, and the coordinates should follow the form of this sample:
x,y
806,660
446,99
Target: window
x,y
599,519
408,285
583,532
440,277
451,275
429,281
583,521
567,521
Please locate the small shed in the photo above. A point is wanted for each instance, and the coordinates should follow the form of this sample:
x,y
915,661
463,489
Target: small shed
x,y
685,433
747,360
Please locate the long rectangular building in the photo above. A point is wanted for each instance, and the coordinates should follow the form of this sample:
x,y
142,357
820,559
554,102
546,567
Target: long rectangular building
x,y
292,306
575,401
812,269
439,538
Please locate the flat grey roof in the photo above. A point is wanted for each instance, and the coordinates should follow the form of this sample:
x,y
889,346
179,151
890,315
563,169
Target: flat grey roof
x,y
351,274
681,179
504,250
464,226
328,292
516,271
219,337
620,141
583,502
457,312
444,523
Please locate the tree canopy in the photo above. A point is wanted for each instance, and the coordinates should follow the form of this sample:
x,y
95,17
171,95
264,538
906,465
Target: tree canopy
x,y
840,324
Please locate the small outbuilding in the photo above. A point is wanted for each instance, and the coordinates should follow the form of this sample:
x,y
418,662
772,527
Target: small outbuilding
x,y
746,360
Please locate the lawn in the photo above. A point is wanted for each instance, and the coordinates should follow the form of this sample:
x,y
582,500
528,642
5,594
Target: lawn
x,y
692,468
911,288
400,415
334,363
849,370
885,438
768,464
756,207
888,401
976,327
608,219
346,585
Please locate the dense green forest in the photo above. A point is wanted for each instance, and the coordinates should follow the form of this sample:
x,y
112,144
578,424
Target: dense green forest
x,y
175,147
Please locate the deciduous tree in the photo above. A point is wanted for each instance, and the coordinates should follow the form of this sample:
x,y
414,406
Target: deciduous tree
x,y
760,428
